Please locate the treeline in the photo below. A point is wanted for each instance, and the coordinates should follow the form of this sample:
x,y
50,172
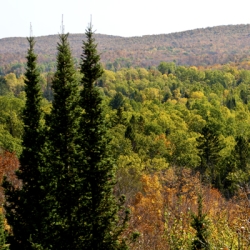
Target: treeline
x,y
176,132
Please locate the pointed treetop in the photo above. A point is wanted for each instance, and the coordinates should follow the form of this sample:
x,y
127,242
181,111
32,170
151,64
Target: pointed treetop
x,y
31,31
62,26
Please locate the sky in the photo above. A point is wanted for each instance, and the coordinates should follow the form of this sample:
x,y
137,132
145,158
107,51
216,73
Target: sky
x,y
117,17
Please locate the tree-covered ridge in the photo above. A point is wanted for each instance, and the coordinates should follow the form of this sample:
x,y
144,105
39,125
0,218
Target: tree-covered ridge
x,y
209,46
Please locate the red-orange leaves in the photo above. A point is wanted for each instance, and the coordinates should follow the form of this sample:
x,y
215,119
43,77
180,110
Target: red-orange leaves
x,y
8,166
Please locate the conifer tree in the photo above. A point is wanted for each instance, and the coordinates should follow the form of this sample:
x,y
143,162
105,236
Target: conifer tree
x,y
98,214
63,123
209,147
117,101
130,132
119,118
23,206
241,153
200,224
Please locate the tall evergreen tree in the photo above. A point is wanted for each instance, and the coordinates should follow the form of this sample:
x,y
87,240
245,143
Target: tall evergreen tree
x,y
98,214
63,123
24,207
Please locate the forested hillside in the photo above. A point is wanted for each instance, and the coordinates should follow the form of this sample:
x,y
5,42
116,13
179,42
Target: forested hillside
x,y
146,146
209,46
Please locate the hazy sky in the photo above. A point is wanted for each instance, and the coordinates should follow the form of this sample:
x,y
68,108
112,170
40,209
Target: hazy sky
x,y
118,17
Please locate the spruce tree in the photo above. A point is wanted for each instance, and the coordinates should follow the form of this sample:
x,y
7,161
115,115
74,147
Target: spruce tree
x,y
24,207
209,147
63,123
98,213
117,101
241,153
130,133
200,224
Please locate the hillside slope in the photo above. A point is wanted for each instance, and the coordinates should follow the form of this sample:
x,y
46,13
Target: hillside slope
x,y
216,45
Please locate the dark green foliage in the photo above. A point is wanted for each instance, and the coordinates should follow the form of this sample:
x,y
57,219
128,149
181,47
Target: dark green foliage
x,y
141,123
24,207
244,95
236,168
61,154
167,67
3,86
167,96
200,224
130,132
241,153
119,118
209,147
98,214
117,101
231,103
136,96
66,200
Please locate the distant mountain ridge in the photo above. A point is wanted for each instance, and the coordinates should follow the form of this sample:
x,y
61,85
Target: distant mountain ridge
x,y
206,46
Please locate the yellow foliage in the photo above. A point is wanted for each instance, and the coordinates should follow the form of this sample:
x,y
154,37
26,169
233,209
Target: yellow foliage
x,y
194,68
171,76
225,93
152,93
108,76
173,101
182,100
148,213
15,85
164,76
197,95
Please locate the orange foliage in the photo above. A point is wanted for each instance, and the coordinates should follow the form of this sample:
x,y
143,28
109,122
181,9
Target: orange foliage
x,y
148,213
162,137
162,213
9,164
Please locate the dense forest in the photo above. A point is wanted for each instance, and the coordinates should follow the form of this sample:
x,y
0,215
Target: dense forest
x,y
200,47
179,135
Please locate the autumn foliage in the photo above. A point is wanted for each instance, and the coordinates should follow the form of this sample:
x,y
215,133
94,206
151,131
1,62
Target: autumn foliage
x,y
9,164
162,213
